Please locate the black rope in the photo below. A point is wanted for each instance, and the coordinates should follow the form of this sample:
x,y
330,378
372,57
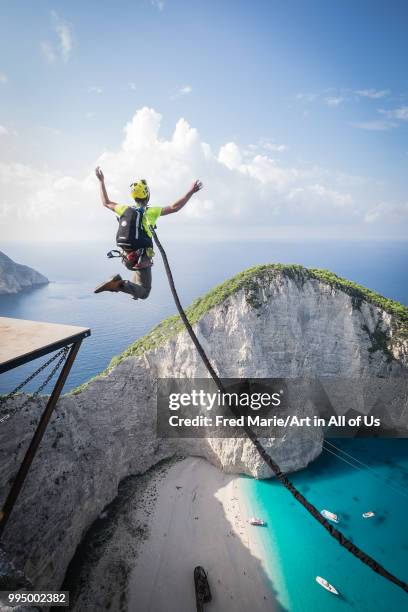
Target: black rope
x,y
335,533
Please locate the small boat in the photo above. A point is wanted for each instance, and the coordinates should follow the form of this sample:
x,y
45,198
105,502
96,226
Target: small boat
x,y
202,588
326,585
257,521
330,516
368,514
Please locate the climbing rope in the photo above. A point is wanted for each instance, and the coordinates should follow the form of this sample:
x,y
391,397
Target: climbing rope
x,y
4,415
335,533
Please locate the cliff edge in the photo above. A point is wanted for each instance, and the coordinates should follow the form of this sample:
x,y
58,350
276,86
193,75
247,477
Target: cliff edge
x,y
269,321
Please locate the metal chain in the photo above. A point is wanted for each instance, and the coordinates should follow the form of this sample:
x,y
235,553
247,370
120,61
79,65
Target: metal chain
x,y
3,400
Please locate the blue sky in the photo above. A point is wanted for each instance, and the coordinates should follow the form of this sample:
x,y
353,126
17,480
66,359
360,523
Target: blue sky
x,y
317,86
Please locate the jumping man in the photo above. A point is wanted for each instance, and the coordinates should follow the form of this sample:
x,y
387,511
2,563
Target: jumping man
x,y
134,236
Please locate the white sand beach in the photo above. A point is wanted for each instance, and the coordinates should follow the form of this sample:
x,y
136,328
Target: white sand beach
x,y
199,519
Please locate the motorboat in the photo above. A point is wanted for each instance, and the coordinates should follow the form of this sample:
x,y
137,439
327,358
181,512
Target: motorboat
x,y
368,514
326,585
330,516
257,522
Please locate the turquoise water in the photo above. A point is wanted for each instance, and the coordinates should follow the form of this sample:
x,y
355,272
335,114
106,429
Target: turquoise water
x,y
297,548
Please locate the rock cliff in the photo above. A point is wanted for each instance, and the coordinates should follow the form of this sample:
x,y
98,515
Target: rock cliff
x,y
270,321
15,277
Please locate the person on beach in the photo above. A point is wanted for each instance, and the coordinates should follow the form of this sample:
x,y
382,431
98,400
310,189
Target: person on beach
x,y
134,236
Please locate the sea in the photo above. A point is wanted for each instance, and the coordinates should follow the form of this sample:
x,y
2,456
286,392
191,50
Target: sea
x,y
296,548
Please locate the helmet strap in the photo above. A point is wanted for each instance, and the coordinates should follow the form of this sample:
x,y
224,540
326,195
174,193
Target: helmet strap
x,y
142,202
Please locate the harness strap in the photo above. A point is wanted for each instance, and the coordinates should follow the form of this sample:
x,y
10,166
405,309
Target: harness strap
x,y
132,260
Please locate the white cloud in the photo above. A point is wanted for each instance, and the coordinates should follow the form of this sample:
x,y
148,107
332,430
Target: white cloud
x,y
159,4
333,101
267,145
3,131
48,52
306,97
374,94
242,189
330,195
96,90
268,174
183,91
3,78
230,155
270,146
400,113
64,37
132,86
391,116
375,125
383,212
333,97
62,48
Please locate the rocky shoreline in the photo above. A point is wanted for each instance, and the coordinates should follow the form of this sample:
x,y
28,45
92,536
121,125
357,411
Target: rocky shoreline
x,y
16,277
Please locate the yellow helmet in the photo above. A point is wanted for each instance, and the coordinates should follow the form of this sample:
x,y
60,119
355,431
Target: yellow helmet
x,y
140,191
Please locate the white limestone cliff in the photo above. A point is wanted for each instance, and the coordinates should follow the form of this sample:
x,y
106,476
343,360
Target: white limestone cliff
x,y
281,323
15,277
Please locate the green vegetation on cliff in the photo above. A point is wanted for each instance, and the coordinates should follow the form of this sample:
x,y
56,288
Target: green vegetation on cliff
x,y
250,281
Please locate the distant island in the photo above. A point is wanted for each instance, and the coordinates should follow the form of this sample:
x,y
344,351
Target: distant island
x,y
15,277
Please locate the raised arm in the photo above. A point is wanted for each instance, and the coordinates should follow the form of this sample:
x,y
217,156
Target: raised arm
x,y
104,194
168,210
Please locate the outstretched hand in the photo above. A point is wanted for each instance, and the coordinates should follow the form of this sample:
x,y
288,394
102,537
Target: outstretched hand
x,y
99,174
197,185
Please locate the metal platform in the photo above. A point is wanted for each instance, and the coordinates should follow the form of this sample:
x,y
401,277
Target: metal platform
x,y
23,341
